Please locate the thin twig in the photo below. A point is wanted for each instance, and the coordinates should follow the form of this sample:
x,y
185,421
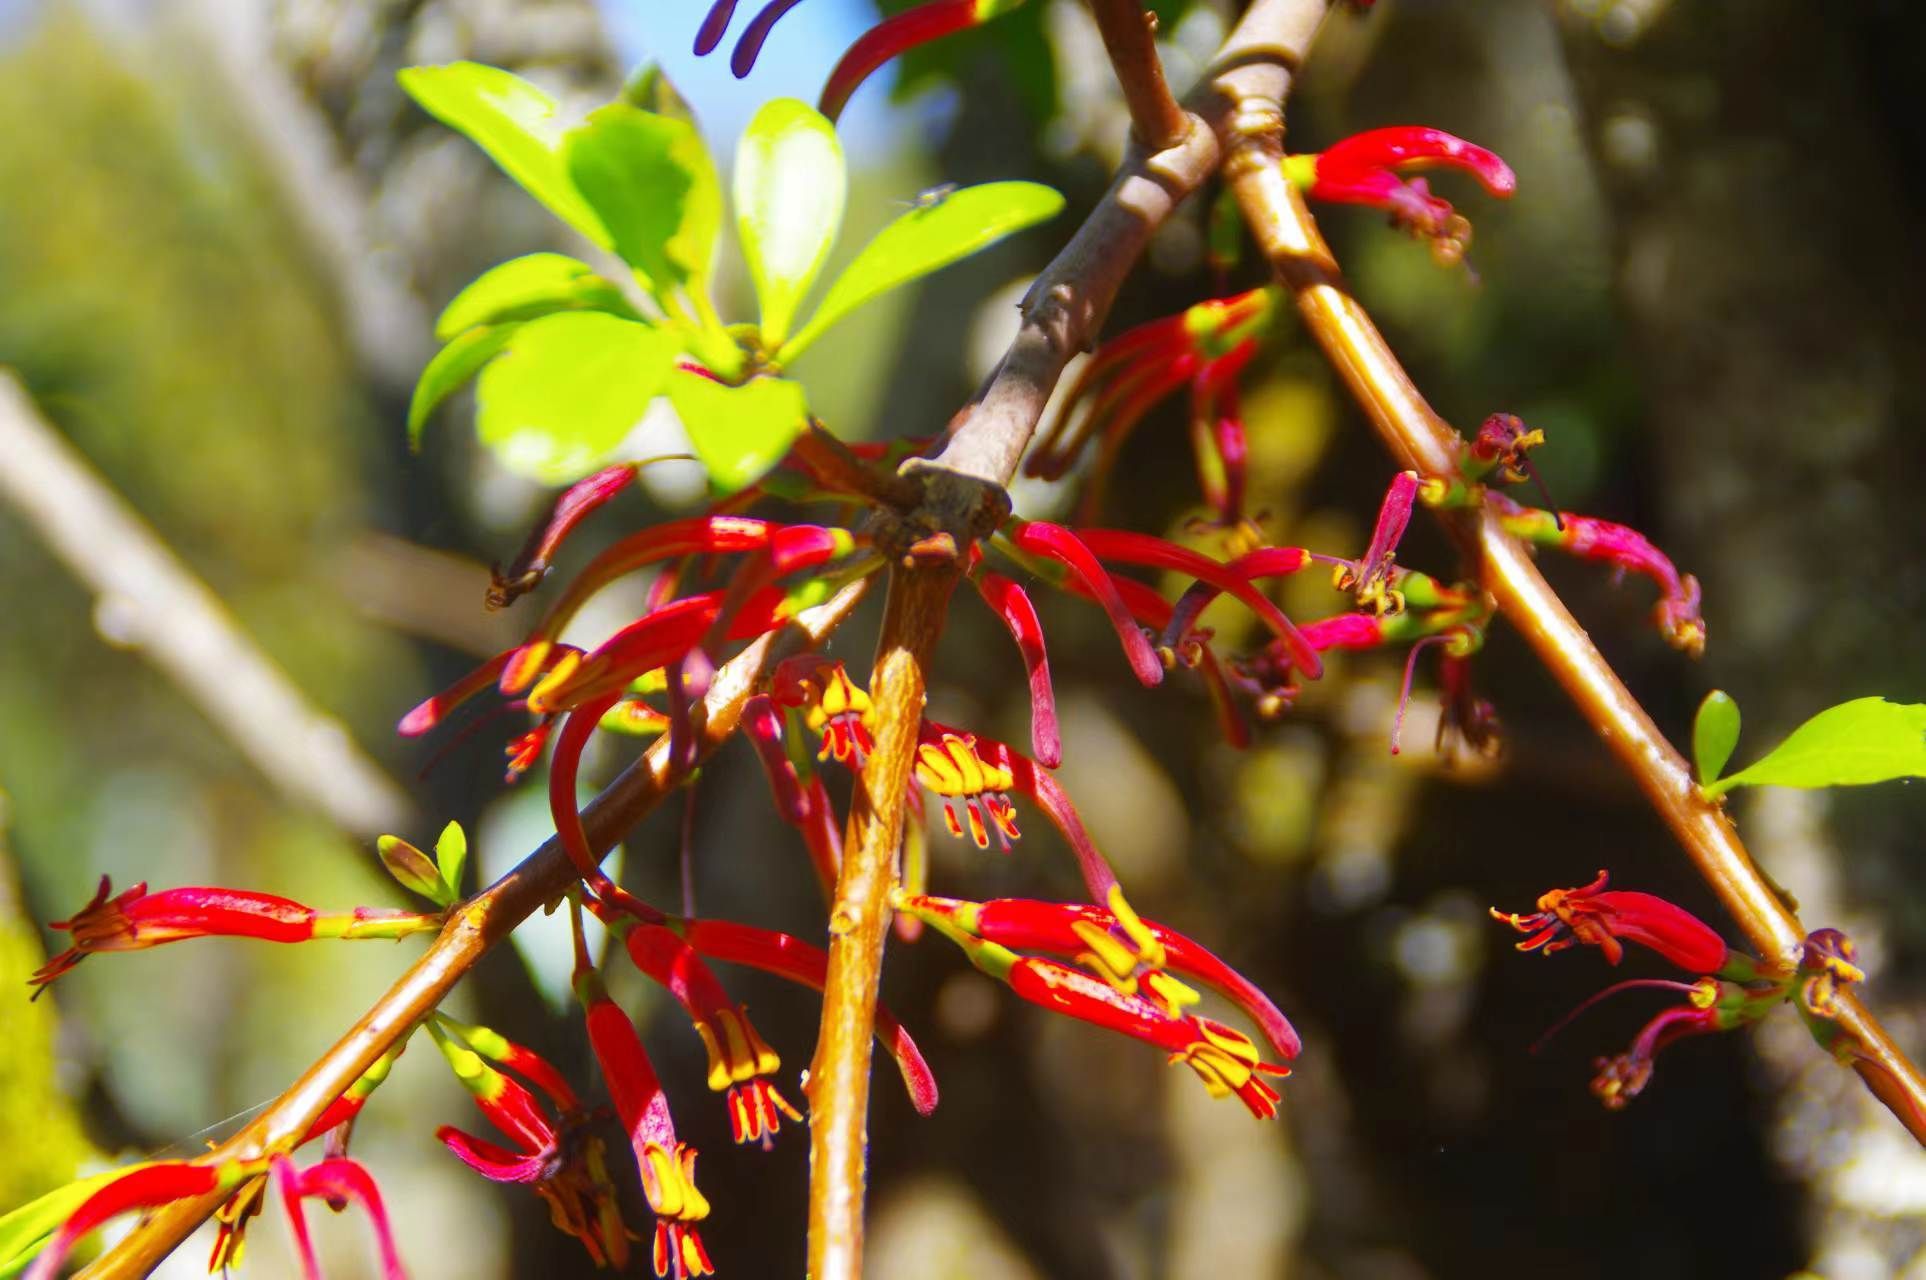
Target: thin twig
x,y
472,930
1156,119
1420,439
146,599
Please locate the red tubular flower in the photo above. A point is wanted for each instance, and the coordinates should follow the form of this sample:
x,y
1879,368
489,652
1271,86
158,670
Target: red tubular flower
x,y
1020,616
1369,579
575,504
1364,170
666,1165
137,919
1223,1058
895,35
1142,549
1606,918
1064,547
791,958
143,1187
334,1180
1153,611
1088,932
1677,613
1206,346
740,1061
1264,562
833,706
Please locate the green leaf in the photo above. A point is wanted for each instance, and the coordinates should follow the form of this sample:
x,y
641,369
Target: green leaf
x,y
515,123
24,1231
650,180
567,389
928,239
789,189
1865,740
451,856
1715,732
412,870
738,432
528,287
453,365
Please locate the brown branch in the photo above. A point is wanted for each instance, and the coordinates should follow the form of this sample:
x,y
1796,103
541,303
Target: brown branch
x,y
1420,439
859,917
1065,308
471,931
1157,121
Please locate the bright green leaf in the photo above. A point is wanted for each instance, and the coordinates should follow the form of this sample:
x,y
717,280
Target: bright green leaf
x,y
650,180
928,239
453,365
412,870
1865,740
1715,732
739,432
566,391
515,123
524,288
24,1231
789,189
451,856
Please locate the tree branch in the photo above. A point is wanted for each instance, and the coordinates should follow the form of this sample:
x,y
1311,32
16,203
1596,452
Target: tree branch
x,y
1157,121
1420,439
472,929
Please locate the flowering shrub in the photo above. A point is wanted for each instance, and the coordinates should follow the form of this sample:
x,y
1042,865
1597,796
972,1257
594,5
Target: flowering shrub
x,y
801,523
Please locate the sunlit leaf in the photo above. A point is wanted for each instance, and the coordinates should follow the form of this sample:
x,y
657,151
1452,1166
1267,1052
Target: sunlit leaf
x,y
1715,732
738,432
789,190
25,1231
566,391
928,239
412,870
452,366
524,288
451,857
1865,740
651,182
517,124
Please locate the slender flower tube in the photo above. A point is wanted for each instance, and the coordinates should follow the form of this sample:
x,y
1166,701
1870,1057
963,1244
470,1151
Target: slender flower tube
x,y
1060,545
1364,169
1677,614
142,1187
1369,579
137,919
576,503
897,34
1607,918
334,1180
666,1165
791,958
1010,603
740,1061
1116,943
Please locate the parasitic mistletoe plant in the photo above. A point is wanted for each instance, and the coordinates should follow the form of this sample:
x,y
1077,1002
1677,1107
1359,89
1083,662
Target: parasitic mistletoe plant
x,y
566,357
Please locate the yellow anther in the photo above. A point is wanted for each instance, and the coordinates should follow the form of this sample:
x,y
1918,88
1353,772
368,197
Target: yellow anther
x,y
1223,1059
668,1179
541,699
1176,996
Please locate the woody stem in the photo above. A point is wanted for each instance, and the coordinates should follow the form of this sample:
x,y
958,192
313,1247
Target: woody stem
x,y
1418,438
858,920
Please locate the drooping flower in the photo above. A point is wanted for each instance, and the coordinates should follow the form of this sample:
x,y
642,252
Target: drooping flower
x,y
336,1180
1367,167
1013,606
666,1165
575,504
136,919
1204,347
557,1157
1677,613
741,1063
1596,916
897,34
1224,1059
146,1186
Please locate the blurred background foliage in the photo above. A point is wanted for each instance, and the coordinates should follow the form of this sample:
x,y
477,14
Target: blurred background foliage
x,y
222,235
